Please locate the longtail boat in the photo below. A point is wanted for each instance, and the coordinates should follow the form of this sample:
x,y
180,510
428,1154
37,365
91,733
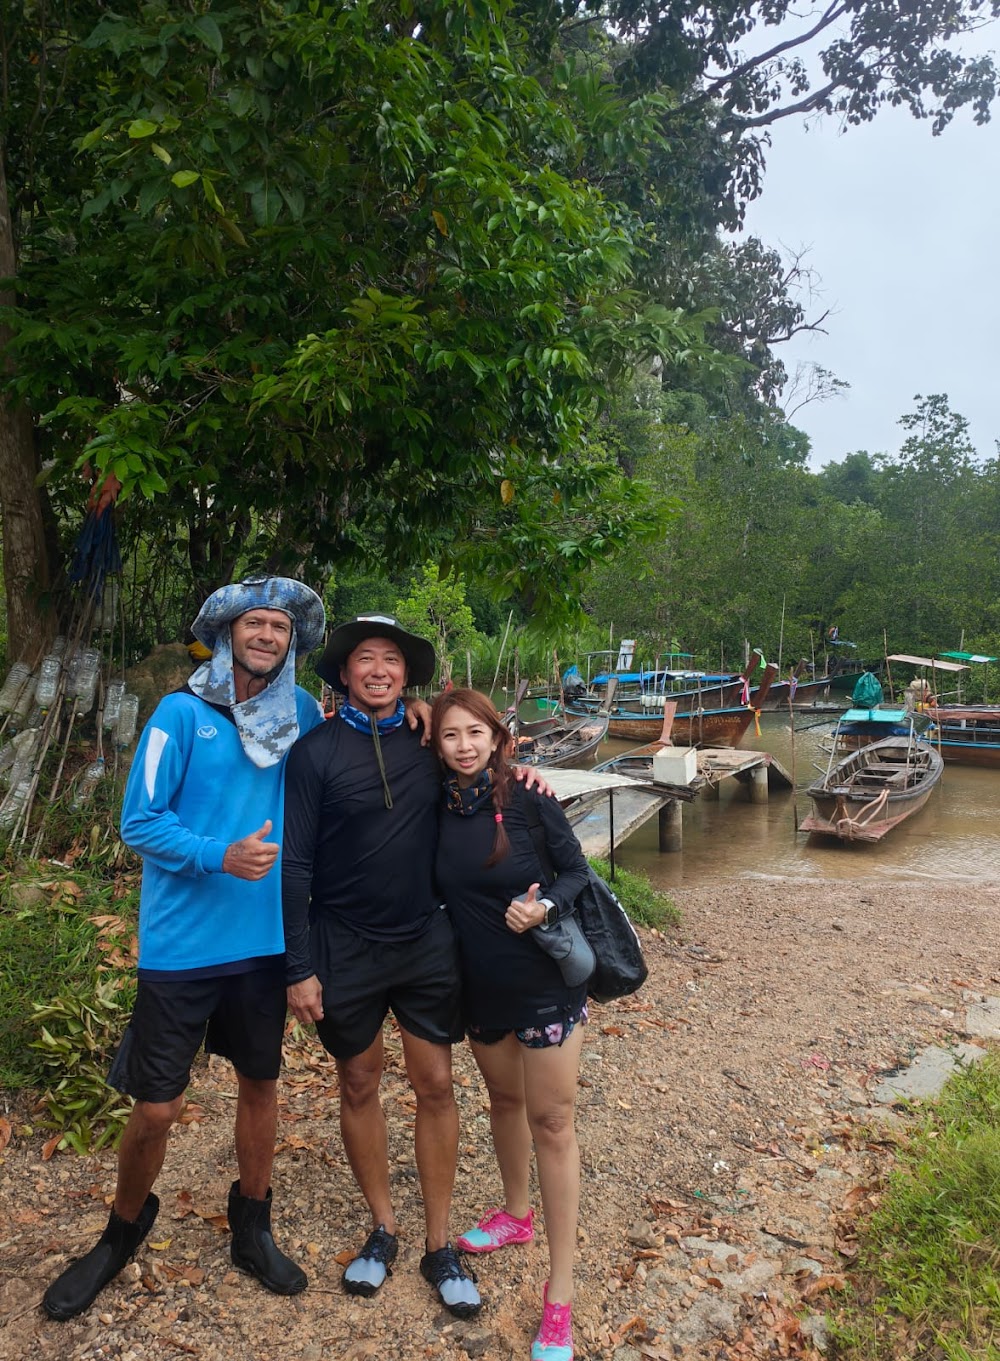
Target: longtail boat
x,y
867,793
723,726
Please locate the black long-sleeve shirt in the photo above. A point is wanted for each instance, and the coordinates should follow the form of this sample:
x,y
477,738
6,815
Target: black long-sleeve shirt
x,y
345,854
508,981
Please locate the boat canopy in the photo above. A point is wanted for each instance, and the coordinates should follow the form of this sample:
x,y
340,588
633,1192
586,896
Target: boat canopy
x,y
887,716
934,662
968,657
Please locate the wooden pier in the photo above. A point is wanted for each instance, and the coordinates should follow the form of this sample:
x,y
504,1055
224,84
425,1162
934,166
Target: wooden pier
x,y
605,808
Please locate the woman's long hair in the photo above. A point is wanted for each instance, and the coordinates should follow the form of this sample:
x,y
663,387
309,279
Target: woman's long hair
x,y
483,709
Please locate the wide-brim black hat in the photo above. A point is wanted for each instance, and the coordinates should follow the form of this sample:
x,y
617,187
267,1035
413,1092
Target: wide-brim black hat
x,y
418,653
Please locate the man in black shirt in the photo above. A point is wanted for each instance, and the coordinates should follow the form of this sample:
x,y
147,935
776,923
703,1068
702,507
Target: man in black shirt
x,y
366,933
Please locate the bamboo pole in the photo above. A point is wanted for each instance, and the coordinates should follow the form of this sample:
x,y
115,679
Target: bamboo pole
x,y
888,668
503,641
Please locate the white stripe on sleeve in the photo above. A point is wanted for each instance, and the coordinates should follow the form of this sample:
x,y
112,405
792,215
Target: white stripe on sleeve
x,y
154,750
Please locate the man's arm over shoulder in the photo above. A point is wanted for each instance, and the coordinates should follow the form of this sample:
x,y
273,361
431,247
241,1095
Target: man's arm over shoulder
x,y
149,823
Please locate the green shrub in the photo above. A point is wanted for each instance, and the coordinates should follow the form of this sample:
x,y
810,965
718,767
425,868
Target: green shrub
x,y
643,903
927,1276
66,990
45,942
77,1036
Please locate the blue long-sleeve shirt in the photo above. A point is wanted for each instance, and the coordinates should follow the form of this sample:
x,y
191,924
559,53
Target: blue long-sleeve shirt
x,y
192,791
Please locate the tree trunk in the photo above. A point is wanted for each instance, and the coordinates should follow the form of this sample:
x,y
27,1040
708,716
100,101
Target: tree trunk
x,y
25,557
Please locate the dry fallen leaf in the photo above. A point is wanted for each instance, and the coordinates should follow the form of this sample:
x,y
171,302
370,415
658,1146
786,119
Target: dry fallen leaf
x,y
6,1130
50,1146
191,1114
831,1281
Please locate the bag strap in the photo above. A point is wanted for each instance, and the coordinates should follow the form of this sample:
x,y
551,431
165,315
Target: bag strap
x,y
537,833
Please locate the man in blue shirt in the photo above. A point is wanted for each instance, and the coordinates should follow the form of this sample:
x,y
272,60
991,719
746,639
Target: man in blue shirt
x,y
204,808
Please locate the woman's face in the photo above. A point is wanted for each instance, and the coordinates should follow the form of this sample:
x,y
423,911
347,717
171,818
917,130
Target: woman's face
x,y
465,744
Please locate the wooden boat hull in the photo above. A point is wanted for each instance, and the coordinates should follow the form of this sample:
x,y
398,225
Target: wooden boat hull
x,y
982,754
713,728
872,790
565,745
806,692
721,727
967,735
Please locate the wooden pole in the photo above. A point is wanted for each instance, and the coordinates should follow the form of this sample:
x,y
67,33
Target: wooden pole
x,y
781,634
503,640
888,668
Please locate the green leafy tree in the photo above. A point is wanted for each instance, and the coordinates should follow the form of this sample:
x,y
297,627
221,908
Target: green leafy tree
x,y
318,278
436,609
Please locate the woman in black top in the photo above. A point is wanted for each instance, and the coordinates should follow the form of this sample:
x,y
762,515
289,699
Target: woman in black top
x,y
524,1023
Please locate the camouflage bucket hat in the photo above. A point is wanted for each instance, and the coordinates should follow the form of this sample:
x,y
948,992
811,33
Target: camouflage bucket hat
x,y
302,605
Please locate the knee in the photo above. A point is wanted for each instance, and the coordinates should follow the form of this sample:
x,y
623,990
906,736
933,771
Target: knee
x,y
436,1096
506,1103
151,1120
257,1094
359,1087
552,1126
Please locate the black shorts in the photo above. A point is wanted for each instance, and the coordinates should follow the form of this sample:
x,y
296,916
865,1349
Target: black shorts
x,y
240,1016
363,980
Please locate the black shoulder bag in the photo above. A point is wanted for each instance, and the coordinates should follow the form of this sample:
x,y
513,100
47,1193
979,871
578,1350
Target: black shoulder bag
x,y
620,968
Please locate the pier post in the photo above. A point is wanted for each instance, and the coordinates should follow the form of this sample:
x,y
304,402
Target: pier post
x,y
758,784
671,825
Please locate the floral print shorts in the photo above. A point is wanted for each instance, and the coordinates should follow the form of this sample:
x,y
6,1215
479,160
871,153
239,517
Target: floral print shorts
x,y
534,1036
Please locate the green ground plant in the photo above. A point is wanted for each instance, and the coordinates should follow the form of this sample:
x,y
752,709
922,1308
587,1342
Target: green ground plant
x,y
643,903
67,960
927,1283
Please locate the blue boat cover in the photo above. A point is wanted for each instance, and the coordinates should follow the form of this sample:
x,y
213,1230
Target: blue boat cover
x,y
874,716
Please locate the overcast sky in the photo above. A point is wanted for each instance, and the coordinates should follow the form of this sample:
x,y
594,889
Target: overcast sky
x,y
903,229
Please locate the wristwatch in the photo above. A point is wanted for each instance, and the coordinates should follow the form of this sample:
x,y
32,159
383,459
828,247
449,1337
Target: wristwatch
x,y
551,913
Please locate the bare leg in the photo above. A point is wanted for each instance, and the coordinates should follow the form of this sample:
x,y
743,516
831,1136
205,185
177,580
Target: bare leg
x,y
428,1066
550,1078
256,1131
503,1071
362,1125
140,1157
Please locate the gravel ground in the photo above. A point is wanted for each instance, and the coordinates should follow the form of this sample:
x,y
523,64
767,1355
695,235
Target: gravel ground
x,y
725,1122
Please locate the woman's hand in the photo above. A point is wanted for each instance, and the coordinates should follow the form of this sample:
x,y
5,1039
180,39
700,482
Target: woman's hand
x,y
524,913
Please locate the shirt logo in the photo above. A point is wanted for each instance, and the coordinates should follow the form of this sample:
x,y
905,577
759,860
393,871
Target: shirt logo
x,y
208,731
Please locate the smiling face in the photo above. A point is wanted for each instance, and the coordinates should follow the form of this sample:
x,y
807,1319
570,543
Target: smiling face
x,y
375,676
261,639
465,744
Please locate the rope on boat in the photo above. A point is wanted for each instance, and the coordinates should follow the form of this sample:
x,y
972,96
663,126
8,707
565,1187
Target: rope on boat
x,y
848,827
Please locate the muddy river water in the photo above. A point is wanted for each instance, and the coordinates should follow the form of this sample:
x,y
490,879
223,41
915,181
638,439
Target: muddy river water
x,y
955,836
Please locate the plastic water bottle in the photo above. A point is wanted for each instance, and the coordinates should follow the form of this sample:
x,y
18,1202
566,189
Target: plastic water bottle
x,y
25,746
113,702
128,717
48,680
22,705
85,679
59,644
108,615
89,781
11,689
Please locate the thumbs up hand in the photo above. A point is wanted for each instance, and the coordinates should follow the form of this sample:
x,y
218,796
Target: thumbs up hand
x,y
524,913
252,857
